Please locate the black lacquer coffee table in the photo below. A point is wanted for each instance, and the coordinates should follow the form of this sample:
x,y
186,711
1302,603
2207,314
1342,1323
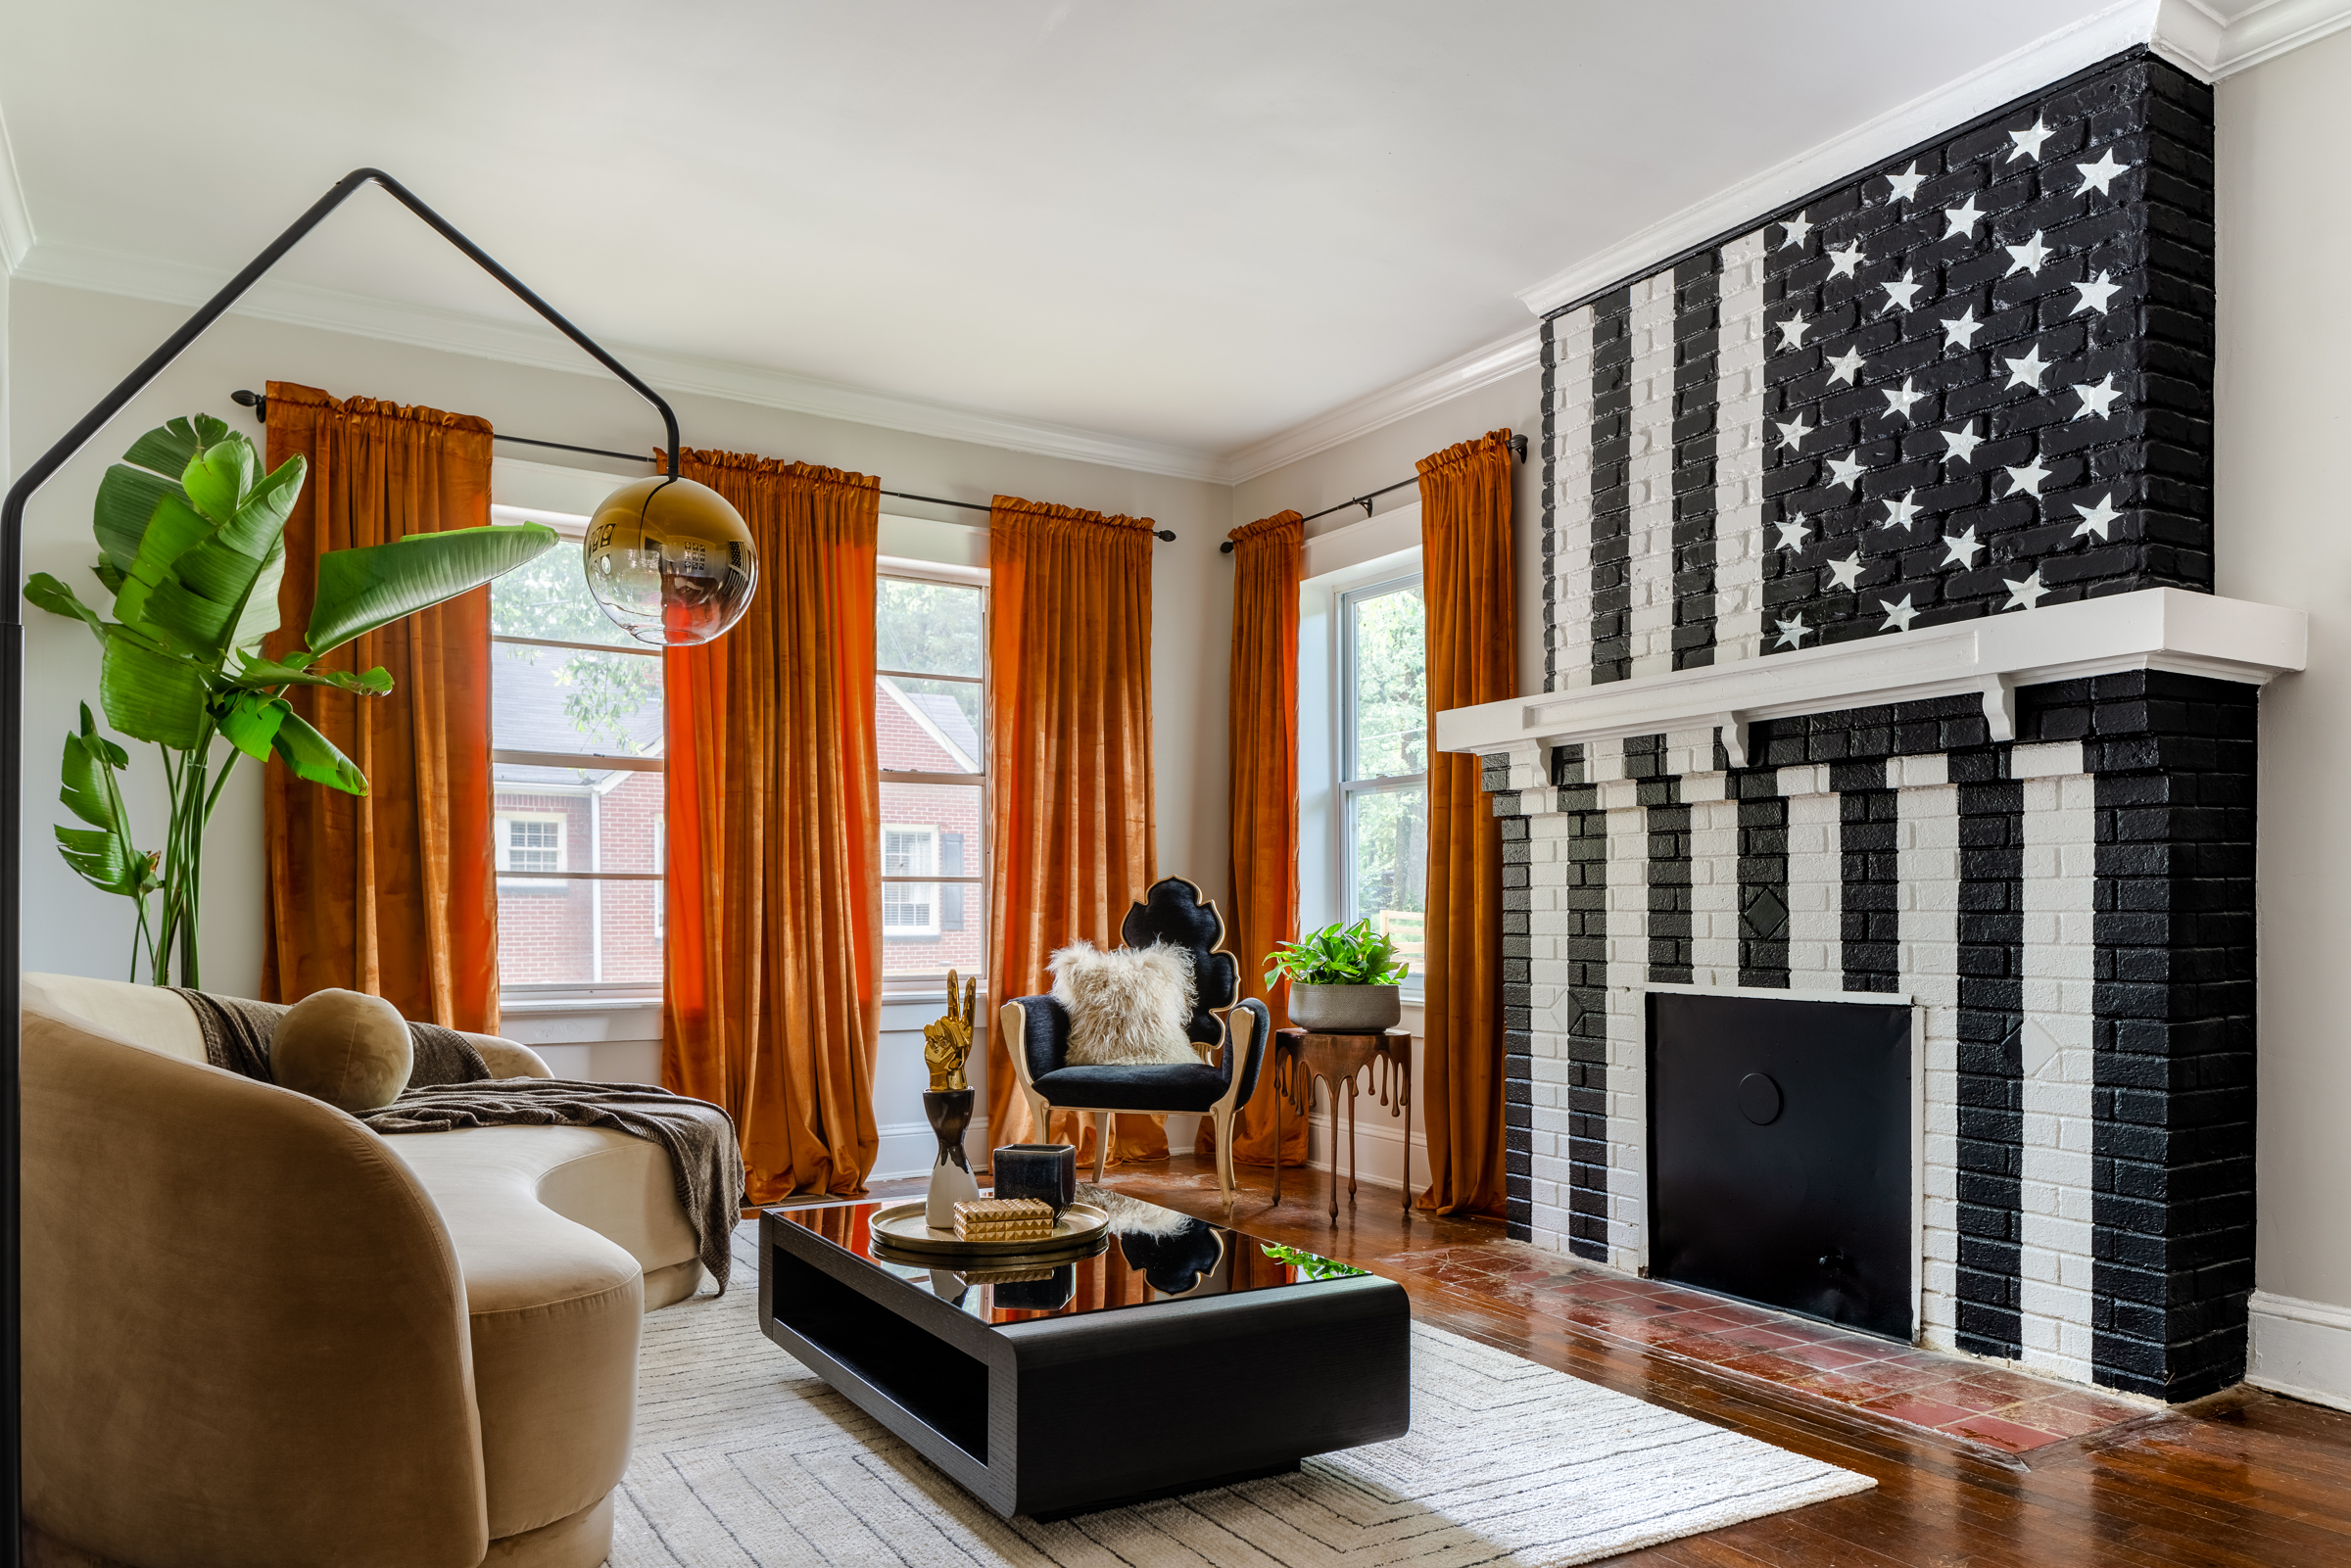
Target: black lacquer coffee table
x,y
1021,1383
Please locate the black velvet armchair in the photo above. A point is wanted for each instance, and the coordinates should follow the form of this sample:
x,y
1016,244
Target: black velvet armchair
x,y
1037,1036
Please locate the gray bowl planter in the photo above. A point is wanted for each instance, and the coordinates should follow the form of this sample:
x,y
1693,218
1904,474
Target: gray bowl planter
x,y
1345,1009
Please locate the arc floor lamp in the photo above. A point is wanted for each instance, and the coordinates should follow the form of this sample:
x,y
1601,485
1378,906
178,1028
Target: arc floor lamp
x,y
688,513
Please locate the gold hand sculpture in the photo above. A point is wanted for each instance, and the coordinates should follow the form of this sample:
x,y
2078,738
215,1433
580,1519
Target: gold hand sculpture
x,y
948,1043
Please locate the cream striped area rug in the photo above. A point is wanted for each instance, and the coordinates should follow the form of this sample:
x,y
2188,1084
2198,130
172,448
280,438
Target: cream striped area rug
x,y
744,1457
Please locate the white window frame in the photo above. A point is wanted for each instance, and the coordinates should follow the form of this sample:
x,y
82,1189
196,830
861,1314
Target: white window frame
x,y
974,875
1383,550
507,868
928,833
572,529
1352,789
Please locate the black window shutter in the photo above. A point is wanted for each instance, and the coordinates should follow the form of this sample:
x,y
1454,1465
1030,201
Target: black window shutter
x,y
950,895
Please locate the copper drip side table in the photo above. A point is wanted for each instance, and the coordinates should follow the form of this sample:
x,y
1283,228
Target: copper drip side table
x,y
1301,1056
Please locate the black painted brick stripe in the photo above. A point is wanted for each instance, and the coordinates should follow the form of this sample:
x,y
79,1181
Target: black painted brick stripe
x,y
1612,515
2173,1134
1868,839
1697,393
1763,878
1586,896
1990,1090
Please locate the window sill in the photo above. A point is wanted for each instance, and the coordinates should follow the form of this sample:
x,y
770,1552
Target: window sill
x,y
608,1039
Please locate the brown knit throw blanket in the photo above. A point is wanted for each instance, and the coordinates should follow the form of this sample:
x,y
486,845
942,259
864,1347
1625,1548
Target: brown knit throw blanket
x,y
237,1033
703,1160
451,1087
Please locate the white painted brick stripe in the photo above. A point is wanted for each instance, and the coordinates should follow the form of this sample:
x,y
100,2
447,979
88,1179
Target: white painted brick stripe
x,y
1926,864
2059,1070
1815,893
1571,497
1739,453
1649,472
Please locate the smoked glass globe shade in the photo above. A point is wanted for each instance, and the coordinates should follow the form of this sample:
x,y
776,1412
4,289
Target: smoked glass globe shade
x,y
670,561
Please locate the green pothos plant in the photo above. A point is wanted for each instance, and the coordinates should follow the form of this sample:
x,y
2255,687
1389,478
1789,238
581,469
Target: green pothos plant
x,y
1338,955
191,541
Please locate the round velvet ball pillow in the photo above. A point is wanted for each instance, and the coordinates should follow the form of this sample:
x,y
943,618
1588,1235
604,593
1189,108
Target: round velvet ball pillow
x,y
347,1048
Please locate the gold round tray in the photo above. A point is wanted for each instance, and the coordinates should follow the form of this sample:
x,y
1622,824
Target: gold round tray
x,y
905,1230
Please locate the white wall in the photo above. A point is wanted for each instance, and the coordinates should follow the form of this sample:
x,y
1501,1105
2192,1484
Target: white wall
x,y
63,348
2284,526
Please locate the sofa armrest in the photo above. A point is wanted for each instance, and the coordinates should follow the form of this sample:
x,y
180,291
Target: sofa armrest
x,y
509,1059
245,1333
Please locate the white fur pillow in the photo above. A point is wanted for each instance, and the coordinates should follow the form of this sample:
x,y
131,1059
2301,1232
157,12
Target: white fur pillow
x,y
1128,1007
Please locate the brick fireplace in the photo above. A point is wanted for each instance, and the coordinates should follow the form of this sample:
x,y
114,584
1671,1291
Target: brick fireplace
x,y
1883,663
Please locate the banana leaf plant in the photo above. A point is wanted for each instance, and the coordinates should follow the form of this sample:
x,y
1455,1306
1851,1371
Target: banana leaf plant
x,y
191,540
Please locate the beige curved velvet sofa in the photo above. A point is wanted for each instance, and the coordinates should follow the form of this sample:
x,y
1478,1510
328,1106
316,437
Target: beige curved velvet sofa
x,y
258,1334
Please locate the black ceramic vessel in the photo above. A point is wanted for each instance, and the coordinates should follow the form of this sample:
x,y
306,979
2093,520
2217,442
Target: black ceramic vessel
x,y
1046,1170
950,1112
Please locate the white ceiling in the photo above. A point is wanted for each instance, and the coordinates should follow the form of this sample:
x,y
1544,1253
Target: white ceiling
x,y
1196,224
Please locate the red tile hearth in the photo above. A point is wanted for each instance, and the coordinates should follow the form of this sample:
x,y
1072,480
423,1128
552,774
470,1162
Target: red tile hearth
x,y
1994,1406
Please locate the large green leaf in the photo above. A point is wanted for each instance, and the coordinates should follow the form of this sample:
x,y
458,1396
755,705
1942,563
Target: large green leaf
x,y
250,723
314,756
102,854
208,576
260,673
126,498
218,478
83,782
360,590
169,449
151,695
44,591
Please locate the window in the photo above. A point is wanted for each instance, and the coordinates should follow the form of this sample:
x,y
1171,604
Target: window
x,y
1382,815
575,734
529,843
909,907
930,728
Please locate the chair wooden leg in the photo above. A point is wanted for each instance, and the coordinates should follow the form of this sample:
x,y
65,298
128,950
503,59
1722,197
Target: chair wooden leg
x,y
1104,1120
1224,1175
1040,1118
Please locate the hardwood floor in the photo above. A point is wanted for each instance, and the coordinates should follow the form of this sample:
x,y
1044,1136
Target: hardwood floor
x,y
2239,1479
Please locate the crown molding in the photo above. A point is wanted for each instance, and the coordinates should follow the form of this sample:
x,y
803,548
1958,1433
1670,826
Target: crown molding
x,y
2072,48
1482,366
16,218
460,332
2201,37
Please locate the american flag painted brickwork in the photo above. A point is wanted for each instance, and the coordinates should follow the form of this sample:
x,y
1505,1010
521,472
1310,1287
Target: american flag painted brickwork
x,y
2073,912
1973,381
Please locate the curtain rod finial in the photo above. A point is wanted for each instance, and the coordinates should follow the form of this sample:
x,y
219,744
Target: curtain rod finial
x,y
1224,548
1168,534
257,402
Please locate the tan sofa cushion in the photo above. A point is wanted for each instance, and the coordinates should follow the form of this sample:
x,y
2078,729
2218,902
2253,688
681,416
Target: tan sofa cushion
x,y
244,1325
350,1049
552,1226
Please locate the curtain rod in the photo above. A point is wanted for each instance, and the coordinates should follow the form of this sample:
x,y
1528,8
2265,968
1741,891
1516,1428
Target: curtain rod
x,y
1516,444
258,402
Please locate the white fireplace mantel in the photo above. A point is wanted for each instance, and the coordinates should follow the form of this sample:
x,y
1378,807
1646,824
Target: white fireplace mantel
x,y
2152,629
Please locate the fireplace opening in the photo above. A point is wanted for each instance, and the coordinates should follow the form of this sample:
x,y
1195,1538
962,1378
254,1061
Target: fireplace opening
x,y
1780,1154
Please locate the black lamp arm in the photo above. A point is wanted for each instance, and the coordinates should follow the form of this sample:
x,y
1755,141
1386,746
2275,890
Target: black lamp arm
x,y
45,466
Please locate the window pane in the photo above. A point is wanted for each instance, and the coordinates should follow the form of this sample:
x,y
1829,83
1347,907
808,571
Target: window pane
x,y
931,726
549,700
578,932
610,824
549,598
931,830
1387,662
1388,845
928,628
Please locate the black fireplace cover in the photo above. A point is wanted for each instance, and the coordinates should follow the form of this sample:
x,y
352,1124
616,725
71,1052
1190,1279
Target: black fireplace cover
x,y
1780,1154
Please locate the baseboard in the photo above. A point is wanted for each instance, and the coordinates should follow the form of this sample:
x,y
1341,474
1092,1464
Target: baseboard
x,y
908,1149
2301,1348
1381,1149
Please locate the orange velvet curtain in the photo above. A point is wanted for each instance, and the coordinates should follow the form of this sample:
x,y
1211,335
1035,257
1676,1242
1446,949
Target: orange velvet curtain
x,y
1472,658
1069,740
1268,558
772,963
394,892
